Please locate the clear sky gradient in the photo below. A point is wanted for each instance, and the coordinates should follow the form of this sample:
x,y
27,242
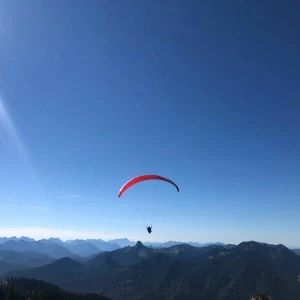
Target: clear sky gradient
x,y
206,93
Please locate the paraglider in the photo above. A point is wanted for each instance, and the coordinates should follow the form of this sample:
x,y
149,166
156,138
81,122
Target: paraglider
x,y
141,178
149,229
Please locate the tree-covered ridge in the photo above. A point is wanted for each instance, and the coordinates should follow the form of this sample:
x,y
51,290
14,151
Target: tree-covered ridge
x,y
30,289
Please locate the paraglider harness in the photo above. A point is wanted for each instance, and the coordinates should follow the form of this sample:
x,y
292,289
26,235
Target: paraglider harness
x,y
149,229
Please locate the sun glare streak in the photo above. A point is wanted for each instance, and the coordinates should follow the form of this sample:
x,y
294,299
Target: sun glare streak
x,y
8,131
11,141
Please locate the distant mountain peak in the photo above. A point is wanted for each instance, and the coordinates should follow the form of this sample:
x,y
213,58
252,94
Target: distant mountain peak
x,y
139,244
55,239
66,263
124,240
64,259
103,260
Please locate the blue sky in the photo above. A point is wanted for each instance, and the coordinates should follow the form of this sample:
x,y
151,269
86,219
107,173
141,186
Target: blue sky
x,y
94,93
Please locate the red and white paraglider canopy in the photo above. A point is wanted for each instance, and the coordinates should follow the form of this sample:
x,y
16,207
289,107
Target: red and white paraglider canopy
x,y
141,178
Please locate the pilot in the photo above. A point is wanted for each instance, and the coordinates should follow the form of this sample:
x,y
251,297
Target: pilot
x,y
149,229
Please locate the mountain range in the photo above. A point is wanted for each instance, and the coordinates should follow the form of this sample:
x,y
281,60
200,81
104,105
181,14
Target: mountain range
x,y
56,248
219,272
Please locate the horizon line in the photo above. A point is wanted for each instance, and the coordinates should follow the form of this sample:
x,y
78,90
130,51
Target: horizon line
x,y
149,242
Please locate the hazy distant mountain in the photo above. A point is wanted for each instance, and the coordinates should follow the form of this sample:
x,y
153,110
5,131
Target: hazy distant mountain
x,y
84,259
122,242
187,252
174,243
102,245
162,244
23,238
181,272
52,241
297,251
53,250
82,248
